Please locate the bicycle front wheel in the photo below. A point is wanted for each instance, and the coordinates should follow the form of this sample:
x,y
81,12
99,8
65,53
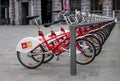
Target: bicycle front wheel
x,y
85,52
48,57
94,40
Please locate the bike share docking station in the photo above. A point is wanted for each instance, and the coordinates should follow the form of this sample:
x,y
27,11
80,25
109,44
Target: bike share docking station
x,y
73,27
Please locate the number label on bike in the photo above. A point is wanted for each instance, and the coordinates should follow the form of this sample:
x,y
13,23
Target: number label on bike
x,y
27,44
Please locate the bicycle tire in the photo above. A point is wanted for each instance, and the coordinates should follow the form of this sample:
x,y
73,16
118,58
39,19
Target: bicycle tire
x,y
102,35
91,49
32,63
95,41
97,35
48,57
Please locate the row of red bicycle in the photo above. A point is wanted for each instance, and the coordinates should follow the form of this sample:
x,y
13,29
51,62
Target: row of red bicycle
x,y
33,51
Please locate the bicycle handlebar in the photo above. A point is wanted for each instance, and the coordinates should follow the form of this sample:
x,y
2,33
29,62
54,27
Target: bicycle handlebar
x,y
48,24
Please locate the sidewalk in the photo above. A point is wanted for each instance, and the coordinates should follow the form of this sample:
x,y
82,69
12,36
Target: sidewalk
x,y
106,66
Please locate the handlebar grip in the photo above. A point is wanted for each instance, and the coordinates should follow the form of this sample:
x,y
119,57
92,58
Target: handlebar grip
x,y
32,17
57,11
46,25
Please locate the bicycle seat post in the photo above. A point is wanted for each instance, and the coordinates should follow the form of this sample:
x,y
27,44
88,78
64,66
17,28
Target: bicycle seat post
x,y
38,25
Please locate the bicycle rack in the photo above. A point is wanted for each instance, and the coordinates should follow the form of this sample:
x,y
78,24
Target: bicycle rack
x,y
73,27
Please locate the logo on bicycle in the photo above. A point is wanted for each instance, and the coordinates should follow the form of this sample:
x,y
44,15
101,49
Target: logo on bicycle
x,y
27,44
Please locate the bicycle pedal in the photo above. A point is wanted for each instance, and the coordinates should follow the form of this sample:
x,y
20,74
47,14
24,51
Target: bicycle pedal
x,y
57,58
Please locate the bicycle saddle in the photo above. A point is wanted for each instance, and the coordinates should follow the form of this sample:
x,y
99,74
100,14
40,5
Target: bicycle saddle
x,y
57,11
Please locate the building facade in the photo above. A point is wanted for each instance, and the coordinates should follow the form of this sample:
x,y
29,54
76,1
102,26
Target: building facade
x,y
15,11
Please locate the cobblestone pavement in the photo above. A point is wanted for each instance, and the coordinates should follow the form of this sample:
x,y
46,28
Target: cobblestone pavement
x,y
106,66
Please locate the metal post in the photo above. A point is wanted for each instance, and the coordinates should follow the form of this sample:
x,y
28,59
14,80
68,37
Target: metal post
x,y
73,50
0,12
84,9
113,14
107,11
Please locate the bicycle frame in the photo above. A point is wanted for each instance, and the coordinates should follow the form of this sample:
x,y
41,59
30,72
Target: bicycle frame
x,y
55,48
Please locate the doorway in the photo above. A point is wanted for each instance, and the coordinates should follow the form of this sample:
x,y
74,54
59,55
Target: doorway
x,y
96,6
116,8
75,4
24,13
4,12
46,11
116,4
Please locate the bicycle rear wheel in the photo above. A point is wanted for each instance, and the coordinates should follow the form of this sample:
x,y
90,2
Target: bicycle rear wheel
x,y
30,61
85,52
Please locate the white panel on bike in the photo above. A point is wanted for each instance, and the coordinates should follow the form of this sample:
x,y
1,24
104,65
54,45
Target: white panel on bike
x,y
27,44
67,31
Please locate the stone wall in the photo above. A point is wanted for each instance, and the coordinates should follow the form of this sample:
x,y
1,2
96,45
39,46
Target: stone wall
x,y
12,11
38,7
85,6
107,7
56,5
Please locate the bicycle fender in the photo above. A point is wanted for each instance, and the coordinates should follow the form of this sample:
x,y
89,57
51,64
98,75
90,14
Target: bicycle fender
x,y
27,44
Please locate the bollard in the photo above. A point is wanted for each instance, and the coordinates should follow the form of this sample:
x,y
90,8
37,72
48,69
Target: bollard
x,y
73,51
